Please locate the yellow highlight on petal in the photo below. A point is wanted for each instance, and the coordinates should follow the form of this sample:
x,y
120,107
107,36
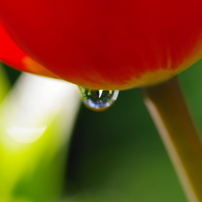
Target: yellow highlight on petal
x,y
34,67
161,75
146,79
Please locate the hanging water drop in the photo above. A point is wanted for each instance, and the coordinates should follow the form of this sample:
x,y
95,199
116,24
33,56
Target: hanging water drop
x,y
98,100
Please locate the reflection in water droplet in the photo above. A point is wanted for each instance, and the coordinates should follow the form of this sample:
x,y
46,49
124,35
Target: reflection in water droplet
x,y
98,100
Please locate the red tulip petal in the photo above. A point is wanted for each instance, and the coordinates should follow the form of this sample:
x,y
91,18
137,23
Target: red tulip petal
x,y
12,55
108,44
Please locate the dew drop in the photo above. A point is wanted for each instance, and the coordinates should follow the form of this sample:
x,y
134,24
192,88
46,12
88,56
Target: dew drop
x,y
98,100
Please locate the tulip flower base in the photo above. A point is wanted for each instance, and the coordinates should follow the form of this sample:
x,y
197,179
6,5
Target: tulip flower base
x,y
166,105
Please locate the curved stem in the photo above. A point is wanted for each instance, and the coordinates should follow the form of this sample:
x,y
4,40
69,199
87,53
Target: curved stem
x,y
168,109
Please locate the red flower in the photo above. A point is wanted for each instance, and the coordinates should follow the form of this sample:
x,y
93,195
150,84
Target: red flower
x,y
107,44
11,54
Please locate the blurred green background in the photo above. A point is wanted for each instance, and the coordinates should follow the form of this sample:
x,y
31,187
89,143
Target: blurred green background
x,y
117,155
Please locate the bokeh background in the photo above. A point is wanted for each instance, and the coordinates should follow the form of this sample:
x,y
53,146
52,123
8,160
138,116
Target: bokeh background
x,y
112,156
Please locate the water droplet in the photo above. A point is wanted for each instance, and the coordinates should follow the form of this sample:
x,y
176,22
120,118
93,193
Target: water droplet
x,y
98,100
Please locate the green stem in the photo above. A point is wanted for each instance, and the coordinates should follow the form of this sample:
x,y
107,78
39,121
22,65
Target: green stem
x,y
168,109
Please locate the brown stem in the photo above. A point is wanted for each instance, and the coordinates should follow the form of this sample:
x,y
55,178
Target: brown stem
x,y
168,109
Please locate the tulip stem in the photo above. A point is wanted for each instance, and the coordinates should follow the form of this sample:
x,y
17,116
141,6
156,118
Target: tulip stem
x,y
169,111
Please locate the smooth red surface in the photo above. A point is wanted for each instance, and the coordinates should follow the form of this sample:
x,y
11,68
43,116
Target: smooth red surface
x,y
11,54
105,42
